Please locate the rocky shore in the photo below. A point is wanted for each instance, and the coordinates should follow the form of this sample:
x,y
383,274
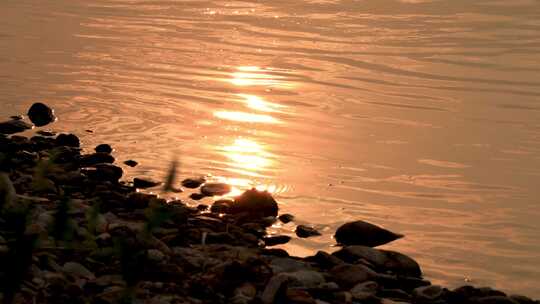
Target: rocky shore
x,y
72,231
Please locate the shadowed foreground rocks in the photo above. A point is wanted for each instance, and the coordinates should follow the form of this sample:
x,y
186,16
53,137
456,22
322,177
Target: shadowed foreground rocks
x,y
71,231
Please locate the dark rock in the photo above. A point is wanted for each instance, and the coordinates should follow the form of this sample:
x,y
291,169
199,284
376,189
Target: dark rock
x,y
493,300
103,148
304,231
202,207
286,218
197,196
193,182
522,299
40,114
144,183
382,260
96,158
395,294
324,260
277,252
428,294
276,240
131,163
69,140
105,172
298,296
14,126
17,117
365,234
46,133
254,203
212,189
139,200
347,275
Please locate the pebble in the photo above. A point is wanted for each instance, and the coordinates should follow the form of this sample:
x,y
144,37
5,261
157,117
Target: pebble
x,y
103,148
211,189
78,270
276,240
193,183
131,163
69,140
286,218
41,114
143,183
197,196
304,231
347,276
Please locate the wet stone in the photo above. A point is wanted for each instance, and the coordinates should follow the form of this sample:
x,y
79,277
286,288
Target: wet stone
x,y
46,133
143,183
96,158
286,218
254,203
365,234
103,148
69,140
193,183
304,231
211,189
14,126
41,114
276,240
197,196
131,163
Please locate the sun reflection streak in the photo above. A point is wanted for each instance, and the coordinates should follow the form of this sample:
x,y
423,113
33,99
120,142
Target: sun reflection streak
x,y
245,117
256,76
257,103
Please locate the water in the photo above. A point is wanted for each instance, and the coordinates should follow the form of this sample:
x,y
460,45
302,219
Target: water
x,y
421,116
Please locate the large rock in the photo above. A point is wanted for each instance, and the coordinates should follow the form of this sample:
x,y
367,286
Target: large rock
x,y
69,140
382,260
14,126
40,114
365,234
347,276
256,203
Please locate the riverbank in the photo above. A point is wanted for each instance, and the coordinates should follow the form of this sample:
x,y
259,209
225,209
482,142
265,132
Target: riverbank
x,y
72,230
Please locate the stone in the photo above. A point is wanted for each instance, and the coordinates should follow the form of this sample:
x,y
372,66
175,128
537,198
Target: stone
x,y
272,288
131,163
324,260
78,270
93,159
14,126
305,278
46,133
304,231
286,264
493,300
143,183
193,183
254,203
364,291
105,172
103,148
347,276
155,255
41,114
197,196
522,299
286,218
365,234
382,260
68,140
298,296
428,293
276,240
211,189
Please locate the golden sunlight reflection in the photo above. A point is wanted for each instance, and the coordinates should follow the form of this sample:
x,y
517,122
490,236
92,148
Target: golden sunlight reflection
x,y
256,76
248,156
245,117
259,104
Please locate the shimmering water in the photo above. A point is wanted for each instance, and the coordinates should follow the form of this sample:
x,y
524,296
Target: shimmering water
x,y
421,116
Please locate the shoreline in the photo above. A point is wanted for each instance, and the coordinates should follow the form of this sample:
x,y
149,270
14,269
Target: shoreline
x,y
72,230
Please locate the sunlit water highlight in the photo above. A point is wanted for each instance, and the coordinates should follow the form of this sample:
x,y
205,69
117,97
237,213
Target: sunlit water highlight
x,y
422,116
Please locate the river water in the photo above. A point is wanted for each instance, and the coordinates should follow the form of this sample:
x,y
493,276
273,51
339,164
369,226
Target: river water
x,y
420,116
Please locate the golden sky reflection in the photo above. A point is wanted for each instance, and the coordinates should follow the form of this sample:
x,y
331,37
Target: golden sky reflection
x,y
245,117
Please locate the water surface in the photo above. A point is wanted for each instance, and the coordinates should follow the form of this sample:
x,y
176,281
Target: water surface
x,y
421,116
